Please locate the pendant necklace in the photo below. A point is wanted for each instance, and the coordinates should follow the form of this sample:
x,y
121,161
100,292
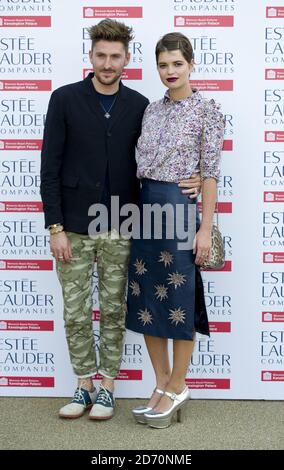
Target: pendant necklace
x,y
107,111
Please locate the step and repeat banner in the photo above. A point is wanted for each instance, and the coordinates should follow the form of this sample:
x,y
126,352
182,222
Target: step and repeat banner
x,y
239,57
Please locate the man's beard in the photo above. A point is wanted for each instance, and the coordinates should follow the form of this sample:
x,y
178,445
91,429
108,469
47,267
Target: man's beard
x,y
107,82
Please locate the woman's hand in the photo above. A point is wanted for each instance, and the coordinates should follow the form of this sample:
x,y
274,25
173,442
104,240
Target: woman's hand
x,y
202,246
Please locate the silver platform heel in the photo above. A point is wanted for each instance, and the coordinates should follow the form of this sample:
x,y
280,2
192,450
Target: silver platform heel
x,y
138,412
162,420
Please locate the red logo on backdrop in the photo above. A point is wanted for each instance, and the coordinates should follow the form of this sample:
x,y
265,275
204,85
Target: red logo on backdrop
x,y
203,21
127,74
27,382
221,207
26,325
25,85
25,21
273,196
96,315
273,317
124,375
272,376
275,257
26,265
220,327
275,12
274,74
112,12
213,85
274,136
20,206
227,145
207,384
132,74
20,144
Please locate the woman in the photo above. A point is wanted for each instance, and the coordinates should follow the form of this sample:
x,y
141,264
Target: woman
x,y
181,134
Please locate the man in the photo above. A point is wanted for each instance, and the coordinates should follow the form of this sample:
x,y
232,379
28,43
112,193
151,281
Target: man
x,y
88,156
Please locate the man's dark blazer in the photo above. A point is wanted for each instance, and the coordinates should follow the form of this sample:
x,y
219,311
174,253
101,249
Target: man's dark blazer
x,y
77,145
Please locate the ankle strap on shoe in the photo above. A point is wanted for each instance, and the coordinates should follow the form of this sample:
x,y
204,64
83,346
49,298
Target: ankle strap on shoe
x,y
172,396
158,390
178,396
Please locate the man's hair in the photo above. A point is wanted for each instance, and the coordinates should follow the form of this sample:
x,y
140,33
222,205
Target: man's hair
x,y
175,41
111,30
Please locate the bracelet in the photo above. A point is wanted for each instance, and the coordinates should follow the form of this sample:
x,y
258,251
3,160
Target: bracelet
x,y
55,228
54,225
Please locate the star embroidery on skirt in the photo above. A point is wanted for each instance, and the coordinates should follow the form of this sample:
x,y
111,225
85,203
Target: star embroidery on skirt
x,y
161,292
177,316
135,288
166,258
176,279
145,316
140,267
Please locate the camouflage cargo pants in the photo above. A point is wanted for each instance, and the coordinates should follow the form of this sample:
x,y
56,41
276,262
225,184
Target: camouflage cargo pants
x,y
76,282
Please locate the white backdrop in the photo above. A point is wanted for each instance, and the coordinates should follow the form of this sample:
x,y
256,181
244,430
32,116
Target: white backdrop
x,y
239,53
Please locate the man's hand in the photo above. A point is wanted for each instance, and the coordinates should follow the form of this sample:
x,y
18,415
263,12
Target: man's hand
x,y
60,247
192,185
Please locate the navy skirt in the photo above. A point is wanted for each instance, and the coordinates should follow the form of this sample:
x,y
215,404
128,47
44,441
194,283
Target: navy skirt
x,y
165,288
